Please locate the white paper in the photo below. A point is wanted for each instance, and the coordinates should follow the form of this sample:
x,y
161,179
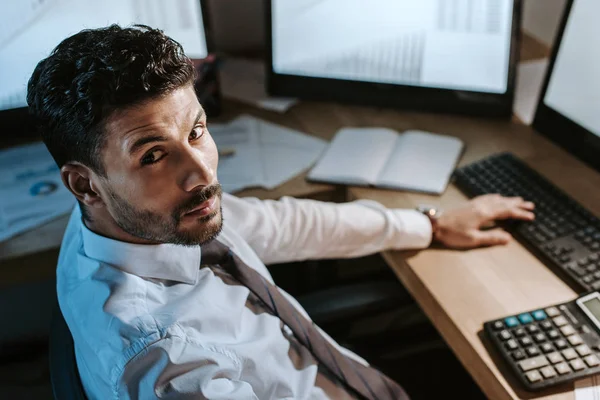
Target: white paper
x,y
266,155
588,388
31,190
530,78
244,80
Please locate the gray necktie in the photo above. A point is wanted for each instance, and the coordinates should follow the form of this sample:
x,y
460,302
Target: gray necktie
x,y
365,381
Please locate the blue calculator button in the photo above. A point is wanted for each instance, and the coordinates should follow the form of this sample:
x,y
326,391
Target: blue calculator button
x,y
511,322
539,315
525,318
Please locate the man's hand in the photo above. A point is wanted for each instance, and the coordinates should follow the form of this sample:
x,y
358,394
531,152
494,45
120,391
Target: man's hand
x,y
461,227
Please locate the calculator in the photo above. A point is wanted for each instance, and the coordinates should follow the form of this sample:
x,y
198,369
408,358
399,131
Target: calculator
x,y
552,345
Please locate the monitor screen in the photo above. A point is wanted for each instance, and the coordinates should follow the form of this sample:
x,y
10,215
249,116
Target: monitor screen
x,y
574,85
446,44
30,29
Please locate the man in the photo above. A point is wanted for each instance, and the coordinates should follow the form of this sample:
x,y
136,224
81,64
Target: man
x,y
161,277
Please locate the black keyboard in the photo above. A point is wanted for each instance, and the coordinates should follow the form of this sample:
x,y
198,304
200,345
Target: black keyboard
x,y
565,236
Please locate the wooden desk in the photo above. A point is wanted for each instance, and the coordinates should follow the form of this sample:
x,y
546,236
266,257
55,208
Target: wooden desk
x,y
459,290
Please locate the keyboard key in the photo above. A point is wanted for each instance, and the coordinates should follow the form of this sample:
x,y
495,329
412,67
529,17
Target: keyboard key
x,y
569,354
597,275
511,322
592,360
577,365
518,355
552,312
533,376
591,268
498,325
532,329
561,344
588,279
533,363
575,340
526,341
596,285
525,318
560,321
577,270
555,357
553,334
539,338
512,344
583,350
547,348
519,332
532,351
546,325
548,372
504,335
539,315
567,330
563,368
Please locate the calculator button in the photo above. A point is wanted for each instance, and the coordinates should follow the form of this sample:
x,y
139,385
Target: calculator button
x,y
526,341
583,350
561,344
504,335
548,372
560,321
547,348
512,344
532,329
533,376
540,337
511,322
546,325
553,334
567,330
518,355
552,312
569,354
525,318
533,363
563,368
539,315
519,332
577,365
574,340
592,360
555,357
532,351
498,325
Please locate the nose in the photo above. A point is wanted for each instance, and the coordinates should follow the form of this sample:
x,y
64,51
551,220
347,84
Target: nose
x,y
198,172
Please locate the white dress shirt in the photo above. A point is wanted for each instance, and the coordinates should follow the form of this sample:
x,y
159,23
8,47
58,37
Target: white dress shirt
x,y
148,323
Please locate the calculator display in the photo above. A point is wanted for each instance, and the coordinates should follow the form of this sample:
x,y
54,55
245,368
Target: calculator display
x,y
593,306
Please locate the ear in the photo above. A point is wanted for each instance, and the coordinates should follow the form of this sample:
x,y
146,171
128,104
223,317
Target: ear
x,y
81,181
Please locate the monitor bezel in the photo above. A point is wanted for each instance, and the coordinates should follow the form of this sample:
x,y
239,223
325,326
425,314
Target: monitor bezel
x,y
16,124
563,131
393,95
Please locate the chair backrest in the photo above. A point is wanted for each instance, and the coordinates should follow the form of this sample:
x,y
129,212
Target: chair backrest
x,y
63,366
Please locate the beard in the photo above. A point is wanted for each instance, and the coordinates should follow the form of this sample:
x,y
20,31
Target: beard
x,y
161,228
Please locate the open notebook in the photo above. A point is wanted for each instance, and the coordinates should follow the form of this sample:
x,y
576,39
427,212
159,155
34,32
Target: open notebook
x,y
414,160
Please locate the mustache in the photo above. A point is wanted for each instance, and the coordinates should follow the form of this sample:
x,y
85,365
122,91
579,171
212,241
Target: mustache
x,y
198,198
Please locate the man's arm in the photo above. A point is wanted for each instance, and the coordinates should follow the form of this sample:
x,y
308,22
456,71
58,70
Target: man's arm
x,y
295,229
175,368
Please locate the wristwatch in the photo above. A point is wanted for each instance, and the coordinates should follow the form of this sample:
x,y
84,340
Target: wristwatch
x,y
433,214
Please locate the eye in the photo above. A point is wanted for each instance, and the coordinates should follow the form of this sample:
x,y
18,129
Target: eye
x,y
197,132
152,157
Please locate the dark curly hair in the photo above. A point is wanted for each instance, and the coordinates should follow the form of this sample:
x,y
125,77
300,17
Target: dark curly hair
x,y
93,73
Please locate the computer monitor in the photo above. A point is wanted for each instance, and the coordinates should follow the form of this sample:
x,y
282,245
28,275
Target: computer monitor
x,y
30,29
445,55
569,107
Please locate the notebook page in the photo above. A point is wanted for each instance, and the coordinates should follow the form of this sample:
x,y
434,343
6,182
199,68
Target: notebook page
x,y
355,156
422,162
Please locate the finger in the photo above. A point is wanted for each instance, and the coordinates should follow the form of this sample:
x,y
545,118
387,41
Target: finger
x,y
518,201
527,205
516,213
491,238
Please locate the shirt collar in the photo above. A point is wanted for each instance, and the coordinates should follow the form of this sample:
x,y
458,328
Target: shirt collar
x,y
161,261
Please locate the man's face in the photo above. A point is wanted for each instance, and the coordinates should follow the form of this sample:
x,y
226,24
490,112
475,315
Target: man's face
x,y
161,171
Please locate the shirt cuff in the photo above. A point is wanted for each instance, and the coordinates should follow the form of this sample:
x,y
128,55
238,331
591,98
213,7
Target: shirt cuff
x,y
417,232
